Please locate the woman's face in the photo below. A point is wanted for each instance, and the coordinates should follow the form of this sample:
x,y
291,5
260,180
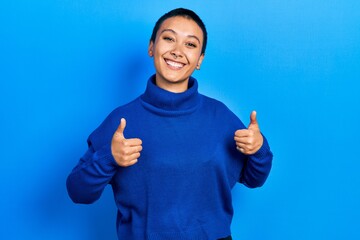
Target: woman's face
x,y
176,52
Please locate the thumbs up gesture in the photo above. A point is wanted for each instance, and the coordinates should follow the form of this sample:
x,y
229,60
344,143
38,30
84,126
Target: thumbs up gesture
x,y
125,151
250,140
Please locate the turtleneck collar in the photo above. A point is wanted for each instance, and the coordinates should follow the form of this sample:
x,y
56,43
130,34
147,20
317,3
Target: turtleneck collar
x,y
163,102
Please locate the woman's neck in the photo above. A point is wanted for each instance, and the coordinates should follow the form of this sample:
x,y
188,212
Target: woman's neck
x,y
177,86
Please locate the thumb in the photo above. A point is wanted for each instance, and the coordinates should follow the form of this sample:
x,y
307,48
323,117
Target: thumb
x,y
121,128
253,120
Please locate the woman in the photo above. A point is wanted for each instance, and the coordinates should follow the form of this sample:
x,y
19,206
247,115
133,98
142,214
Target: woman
x,y
176,154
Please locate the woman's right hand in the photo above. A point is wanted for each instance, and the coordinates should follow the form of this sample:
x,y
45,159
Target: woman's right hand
x,y
125,151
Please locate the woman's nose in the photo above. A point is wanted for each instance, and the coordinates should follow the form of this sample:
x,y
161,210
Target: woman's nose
x,y
176,52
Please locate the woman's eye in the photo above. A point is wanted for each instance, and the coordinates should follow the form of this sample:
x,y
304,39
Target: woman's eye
x,y
192,45
168,39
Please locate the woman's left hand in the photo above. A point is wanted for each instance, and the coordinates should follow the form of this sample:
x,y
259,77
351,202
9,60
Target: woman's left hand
x,y
249,141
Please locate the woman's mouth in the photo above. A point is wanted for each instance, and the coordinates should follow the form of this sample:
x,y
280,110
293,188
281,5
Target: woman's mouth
x,y
174,65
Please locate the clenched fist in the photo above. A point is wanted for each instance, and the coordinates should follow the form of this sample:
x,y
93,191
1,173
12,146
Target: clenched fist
x,y
125,151
250,140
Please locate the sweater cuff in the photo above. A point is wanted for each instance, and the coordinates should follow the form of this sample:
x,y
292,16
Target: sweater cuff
x,y
264,150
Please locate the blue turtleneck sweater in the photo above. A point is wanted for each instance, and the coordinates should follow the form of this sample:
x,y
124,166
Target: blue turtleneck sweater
x,y
180,188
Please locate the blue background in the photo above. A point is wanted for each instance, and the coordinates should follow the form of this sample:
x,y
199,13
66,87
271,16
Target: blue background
x,y
64,65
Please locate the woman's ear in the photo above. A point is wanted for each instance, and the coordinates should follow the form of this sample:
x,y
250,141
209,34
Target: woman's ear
x,y
201,58
150,49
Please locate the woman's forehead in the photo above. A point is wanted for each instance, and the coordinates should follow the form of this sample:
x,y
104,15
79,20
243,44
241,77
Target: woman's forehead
x,y
182,26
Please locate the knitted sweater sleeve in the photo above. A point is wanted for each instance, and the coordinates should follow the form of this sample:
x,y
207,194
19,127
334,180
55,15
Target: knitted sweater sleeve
x,y
257,167
90,176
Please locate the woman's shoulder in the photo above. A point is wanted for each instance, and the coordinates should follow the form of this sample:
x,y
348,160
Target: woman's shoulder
x,y
214,104
221,111
126,107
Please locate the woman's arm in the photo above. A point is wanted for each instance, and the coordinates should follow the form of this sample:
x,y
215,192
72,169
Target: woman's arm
x,y
257,167
90,176
253,144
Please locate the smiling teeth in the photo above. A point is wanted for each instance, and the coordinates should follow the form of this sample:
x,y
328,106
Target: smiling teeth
x,y
174,64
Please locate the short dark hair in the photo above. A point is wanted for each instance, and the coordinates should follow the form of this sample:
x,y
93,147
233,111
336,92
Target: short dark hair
x,y
182,12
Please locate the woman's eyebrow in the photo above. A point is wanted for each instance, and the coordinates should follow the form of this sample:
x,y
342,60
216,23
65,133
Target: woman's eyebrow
x,y
168,30
171,30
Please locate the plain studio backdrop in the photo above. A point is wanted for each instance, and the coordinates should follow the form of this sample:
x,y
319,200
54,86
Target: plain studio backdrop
x,y
64,65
